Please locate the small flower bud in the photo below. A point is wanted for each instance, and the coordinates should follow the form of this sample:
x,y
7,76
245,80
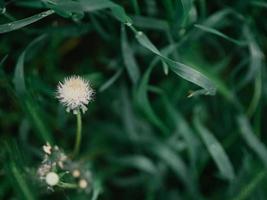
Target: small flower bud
x,y
47,148
52,179
83,183
76,173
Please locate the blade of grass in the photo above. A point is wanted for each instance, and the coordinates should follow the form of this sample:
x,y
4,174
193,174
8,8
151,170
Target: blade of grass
x,y
180,69
184,130
110,81
139,162
256,97
15,172
4,28
251,139
220,34
216,151
128,58
25,98
256,57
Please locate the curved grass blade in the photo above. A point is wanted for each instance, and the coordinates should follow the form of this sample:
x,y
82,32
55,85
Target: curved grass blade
x,y
253,142
178,68
4,28
184,130
176,164
256,96
141,94
109,82
22,184
16,173
143,100
128,116
139,162
128,58
25,98
216,151
220,34
256,57
118,12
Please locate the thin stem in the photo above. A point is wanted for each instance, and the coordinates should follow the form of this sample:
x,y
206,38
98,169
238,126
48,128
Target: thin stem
x,y
67,185
78,134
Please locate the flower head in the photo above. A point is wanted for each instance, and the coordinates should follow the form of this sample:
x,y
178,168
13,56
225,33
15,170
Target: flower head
x,y
75,93
52,179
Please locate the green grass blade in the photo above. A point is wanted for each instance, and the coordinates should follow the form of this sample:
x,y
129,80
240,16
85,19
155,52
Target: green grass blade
x,y
150,23
27,102
251,139
110,81
178,68
139,162
256,57
216,151
220,34
4,28
128,58
22,184
143,101
16,172
256,96
184,130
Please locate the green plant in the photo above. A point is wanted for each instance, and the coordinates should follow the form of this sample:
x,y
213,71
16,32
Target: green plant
x,y
179,104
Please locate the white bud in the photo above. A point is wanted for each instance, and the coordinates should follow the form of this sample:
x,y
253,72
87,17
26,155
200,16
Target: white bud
x,y
83,183
47,148
52,179
76,173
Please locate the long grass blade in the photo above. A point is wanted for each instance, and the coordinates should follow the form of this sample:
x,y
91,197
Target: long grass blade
x,y
251,139
28,103
4,28
216,151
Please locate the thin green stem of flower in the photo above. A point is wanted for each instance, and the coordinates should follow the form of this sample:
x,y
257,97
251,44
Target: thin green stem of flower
x,y
67,185
78,134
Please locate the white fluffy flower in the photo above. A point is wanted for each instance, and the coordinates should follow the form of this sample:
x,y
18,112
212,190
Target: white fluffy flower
x,y
52,179
75,93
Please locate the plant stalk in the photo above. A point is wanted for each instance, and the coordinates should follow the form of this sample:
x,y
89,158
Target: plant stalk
x,y
78,135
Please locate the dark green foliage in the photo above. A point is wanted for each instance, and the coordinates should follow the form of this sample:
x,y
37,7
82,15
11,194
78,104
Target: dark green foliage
x,y
180,101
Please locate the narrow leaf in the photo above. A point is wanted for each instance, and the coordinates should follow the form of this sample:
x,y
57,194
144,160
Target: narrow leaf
x,y
110,81
253,142
216,151
128,58
24,22
28,103
218,33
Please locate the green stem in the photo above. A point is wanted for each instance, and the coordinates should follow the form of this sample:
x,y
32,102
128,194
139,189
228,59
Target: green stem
x,y
67,185
78,134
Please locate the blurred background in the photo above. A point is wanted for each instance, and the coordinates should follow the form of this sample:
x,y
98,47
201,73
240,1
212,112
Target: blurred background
x,y
151,131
